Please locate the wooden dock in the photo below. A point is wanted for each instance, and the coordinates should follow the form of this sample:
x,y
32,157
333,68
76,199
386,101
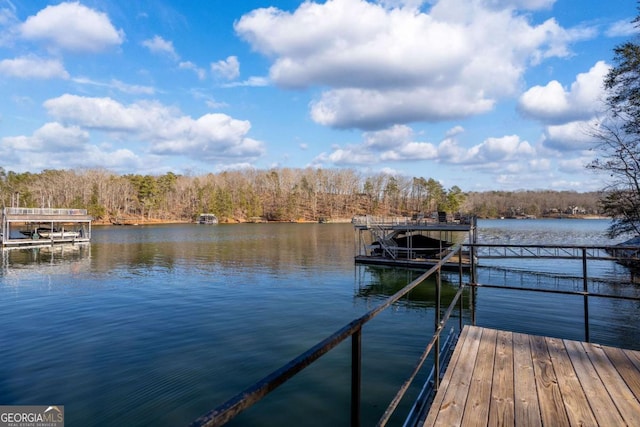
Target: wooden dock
x,y
512,379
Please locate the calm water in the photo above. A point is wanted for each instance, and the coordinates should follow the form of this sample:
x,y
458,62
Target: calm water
x,y
159,324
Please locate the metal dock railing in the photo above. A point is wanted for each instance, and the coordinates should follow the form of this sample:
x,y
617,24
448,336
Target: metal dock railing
x,y
444,319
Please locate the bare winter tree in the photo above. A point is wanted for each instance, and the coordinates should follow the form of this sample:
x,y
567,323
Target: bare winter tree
x,y
618,138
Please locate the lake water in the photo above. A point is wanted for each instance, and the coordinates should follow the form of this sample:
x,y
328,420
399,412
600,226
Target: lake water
x,y
156,325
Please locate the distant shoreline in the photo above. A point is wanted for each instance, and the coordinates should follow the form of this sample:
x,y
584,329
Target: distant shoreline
x,y
138,222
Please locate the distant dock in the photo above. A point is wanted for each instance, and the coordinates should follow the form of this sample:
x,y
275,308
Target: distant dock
x,y
29,227
405,242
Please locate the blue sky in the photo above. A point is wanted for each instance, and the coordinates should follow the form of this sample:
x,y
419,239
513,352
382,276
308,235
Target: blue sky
x,y
482,94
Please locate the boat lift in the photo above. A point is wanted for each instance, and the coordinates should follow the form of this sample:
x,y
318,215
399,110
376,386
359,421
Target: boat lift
x,y
28,227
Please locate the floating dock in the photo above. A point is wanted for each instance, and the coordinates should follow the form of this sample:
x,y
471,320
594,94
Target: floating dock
x,y
505,378
28,227
413,243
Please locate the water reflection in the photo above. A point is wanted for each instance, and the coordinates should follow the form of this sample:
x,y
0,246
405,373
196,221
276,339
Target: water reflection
x,y
270,247
545,232
376,283
55,259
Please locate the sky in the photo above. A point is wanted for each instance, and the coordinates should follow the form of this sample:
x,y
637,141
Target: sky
x,y
481,94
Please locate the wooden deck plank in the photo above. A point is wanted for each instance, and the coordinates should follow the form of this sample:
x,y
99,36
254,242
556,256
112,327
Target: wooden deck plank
x,y
446,379
476,410
575,401
457,390
628,369
622,396
601,404
551,405
501,412
634,357
499,378
527,409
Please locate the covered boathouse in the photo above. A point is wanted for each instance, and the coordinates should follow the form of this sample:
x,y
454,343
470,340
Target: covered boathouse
x,y
413,242
37,227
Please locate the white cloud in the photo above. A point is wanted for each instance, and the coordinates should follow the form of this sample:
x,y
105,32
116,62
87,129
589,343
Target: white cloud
x,y
449,151
188,65
555,104
578,185
388,138
208,99
8,23
119,159
389,171
132,89
500,149
396,144
488,154
570,114
228,69
349,156
166,130
117,85
234,167
158,45
411,151
455,131
572,136
61,147
373,109
32,67
411,4
50,137
73,27
539,165
576,165
250,82
215,105
622,29
545,101
104,113
7,13
384,66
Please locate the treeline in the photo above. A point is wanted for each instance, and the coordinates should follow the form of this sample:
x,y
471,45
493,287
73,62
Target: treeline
x,y
493,204
275,195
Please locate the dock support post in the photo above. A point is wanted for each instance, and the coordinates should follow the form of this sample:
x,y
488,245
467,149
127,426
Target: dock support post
x,y
585,288
437,326
356,373
472,289
474,270
461,304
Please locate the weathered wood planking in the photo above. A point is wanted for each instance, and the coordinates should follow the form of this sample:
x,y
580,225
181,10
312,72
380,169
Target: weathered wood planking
x,y
498,378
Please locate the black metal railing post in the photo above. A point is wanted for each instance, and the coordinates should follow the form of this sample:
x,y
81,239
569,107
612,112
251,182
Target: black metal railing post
x,y
585,288
461,306
472,290
437,326
356,376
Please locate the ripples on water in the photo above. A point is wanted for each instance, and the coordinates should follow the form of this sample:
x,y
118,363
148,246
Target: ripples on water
x,y
611,321
157,325
541,232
